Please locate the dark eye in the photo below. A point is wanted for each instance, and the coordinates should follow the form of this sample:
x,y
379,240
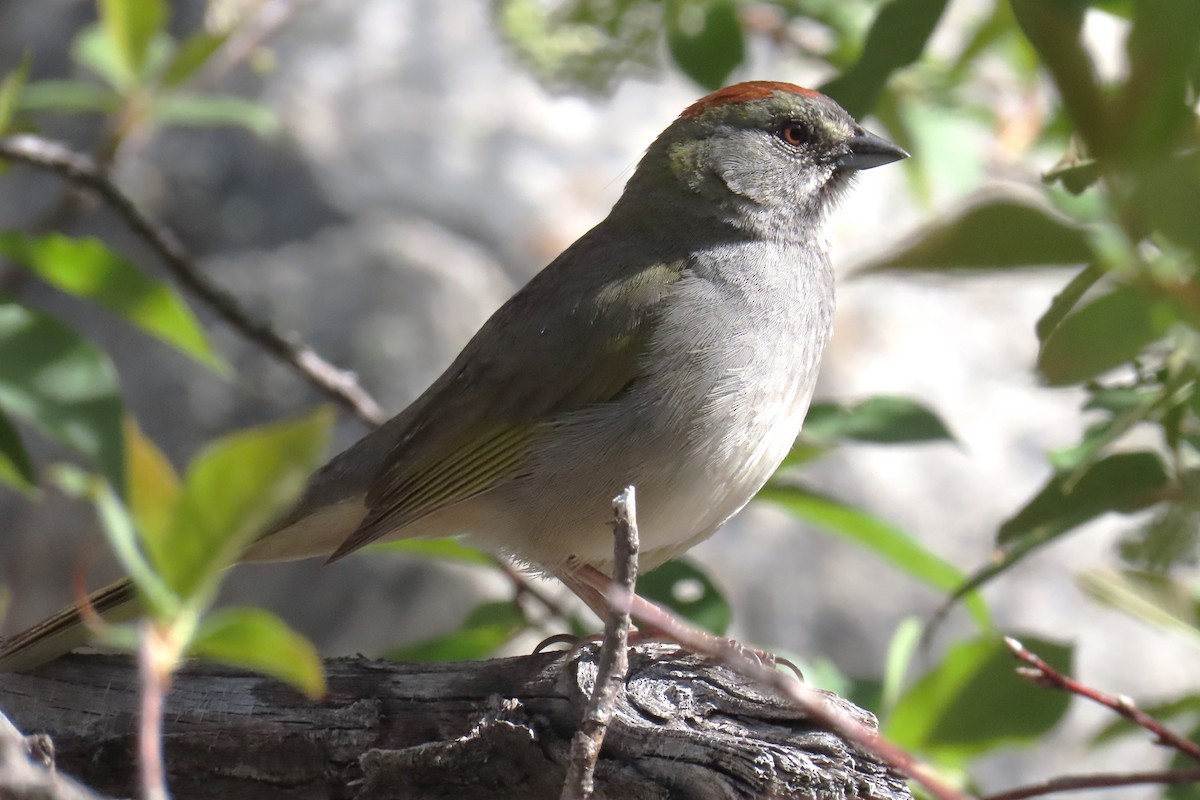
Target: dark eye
x,y
794,133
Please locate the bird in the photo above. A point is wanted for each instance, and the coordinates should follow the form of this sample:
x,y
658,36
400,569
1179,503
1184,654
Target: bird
x,y
674,347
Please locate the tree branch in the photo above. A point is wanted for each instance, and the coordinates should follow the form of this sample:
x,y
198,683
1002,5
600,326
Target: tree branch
x,y
77,168
683,727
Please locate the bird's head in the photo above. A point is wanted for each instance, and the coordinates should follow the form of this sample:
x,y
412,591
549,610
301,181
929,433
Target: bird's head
x,y
766,156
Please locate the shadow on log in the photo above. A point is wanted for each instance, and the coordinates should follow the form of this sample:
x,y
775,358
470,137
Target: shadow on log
x,y
684,728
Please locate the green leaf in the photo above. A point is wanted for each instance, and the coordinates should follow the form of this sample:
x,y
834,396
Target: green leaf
x,y
191,56
66,97
1129,407
153,487
877,536
485,630
1164,48
1123,482
1156,599
1106,333
16,469
881,420
94,49
122,536
905,642
1168,540
1074,460
206,110
974,701
87,268
896,39
995,234
131,26
10,93
444,549
705,39
1167,192
1066,300
1122,399
232,491
53,379
259,640
689,592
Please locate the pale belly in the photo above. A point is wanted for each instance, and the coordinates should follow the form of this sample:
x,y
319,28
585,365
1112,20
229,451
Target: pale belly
x,y
690,474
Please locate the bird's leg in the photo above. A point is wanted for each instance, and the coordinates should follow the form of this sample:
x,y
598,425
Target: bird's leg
x,y
587,588
593,586
593,598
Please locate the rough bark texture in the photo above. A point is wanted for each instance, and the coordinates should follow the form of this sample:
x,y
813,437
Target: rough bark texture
x,y
469,731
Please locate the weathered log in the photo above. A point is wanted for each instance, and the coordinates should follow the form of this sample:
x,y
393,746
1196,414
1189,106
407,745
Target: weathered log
x,y
684,728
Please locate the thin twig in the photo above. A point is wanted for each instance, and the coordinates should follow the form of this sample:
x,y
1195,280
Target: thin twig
x,y
812,702
342,386
613,663
1042,674
1075,783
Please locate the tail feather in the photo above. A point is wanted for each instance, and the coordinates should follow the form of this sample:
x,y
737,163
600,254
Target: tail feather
x,y
65,631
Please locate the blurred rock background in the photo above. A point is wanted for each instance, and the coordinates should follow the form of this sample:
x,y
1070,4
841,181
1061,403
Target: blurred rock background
x,y
421,174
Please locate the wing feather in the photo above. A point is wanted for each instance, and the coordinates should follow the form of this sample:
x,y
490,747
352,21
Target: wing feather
x,y
475,426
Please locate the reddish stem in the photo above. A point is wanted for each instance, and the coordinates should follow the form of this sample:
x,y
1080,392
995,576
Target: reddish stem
x,y
1074,783
1042,674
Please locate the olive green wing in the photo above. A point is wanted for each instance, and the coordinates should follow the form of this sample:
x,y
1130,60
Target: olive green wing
x,y
531,362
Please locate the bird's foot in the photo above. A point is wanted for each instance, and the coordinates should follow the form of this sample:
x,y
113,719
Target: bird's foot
x,y
714,647
765,658
635,637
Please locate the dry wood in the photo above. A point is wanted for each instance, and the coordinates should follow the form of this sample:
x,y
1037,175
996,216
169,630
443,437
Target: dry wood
x,y
683,728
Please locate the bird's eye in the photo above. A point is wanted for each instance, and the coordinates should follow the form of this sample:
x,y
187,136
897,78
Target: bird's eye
x,y
794,133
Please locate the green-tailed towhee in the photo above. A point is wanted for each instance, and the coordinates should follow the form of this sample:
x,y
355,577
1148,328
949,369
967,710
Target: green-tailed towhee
x,y
674,347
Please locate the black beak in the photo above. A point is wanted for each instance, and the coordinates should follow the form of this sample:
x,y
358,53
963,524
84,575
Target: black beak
x,y
865,150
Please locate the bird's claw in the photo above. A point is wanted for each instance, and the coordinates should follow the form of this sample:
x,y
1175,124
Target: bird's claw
x,y
564,638
762,658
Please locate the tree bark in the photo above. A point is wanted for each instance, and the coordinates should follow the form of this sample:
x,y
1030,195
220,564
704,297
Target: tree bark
x,y
683,728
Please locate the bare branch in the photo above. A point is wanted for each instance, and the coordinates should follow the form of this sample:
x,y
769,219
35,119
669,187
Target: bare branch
x,y
1075,783
1044,675
813,703
613,664
77,168
684,727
